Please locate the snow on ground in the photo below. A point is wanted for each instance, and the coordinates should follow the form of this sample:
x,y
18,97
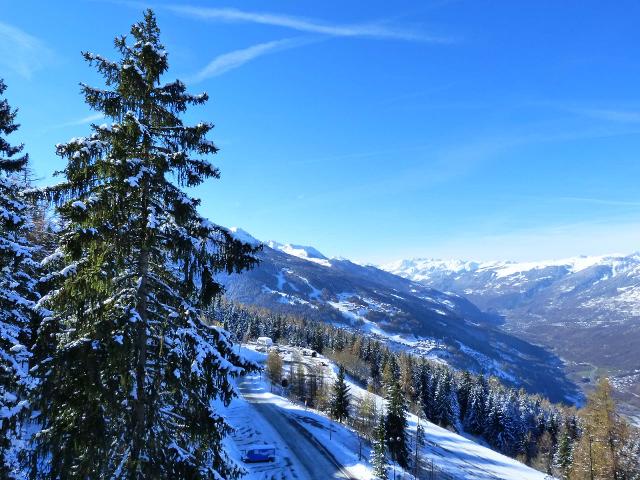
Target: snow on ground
x,y
452,454
244,237
301,251
490,365
459,456
420,269
252,428
355,313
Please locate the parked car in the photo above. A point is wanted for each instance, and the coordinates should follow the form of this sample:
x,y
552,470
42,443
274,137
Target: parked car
x,y
259,453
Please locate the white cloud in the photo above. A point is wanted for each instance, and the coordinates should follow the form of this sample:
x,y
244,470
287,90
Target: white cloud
x,y
21,52
80,121
231,60
369,30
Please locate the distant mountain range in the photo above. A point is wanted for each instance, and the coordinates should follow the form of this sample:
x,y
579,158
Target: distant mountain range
x,y
404,313
586,309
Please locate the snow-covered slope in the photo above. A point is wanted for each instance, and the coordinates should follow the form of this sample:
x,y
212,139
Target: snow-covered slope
x,y
243,236
401,312
424,269
585,308
300,251
256,415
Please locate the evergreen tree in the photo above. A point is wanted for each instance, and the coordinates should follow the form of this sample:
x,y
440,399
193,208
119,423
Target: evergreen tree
x,y
446,411
562,458
426,391
132,386
474,420
396,424
340,398
464,393
493,426
378,452
510,439
16,294
390,371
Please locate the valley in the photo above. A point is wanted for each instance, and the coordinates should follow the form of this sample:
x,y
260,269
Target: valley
x,y
405,314
584,309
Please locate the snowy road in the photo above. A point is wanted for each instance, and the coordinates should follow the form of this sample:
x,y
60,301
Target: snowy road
x,y
317,463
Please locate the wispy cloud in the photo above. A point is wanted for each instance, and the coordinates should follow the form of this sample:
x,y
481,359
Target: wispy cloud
x,y
433,166
231,60
622,116
601,201
610,113
79,121
21,52
368,30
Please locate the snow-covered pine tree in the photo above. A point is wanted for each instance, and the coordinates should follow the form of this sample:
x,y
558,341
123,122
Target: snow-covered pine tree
x,y
446,411
426,390
134,383
465,385
378,452
562,457
340,400
396,424
16,293
511,437
475,417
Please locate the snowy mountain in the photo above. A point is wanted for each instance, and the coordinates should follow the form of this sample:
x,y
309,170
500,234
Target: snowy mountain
x,y
300,251
404,313
585,308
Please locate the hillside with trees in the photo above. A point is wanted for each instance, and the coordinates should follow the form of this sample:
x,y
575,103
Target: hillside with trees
x,y
556,439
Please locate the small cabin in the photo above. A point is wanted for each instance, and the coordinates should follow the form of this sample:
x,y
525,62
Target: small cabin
x,y
264,342
259,453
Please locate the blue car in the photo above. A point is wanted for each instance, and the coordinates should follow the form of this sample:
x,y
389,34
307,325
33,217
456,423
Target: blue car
x,y
259,453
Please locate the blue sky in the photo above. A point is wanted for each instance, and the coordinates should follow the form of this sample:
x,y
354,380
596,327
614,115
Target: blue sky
x,y
378,130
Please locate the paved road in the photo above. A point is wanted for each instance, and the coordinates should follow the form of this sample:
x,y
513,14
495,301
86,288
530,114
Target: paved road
x,y
317,463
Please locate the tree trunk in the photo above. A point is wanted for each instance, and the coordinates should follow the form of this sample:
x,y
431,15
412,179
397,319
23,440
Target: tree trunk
x,y
141,359
139,414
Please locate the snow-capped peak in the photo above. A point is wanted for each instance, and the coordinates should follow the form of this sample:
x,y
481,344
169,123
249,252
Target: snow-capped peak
x,y
300,251
420,268
244,237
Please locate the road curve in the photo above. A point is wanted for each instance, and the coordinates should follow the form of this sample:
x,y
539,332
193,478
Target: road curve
x,y
316,461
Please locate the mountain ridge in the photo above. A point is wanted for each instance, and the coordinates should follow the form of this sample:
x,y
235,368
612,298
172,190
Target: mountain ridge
x,y
586,309
405,314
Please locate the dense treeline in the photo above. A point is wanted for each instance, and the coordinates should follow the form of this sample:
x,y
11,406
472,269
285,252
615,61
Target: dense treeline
x,y
549,437
107,369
